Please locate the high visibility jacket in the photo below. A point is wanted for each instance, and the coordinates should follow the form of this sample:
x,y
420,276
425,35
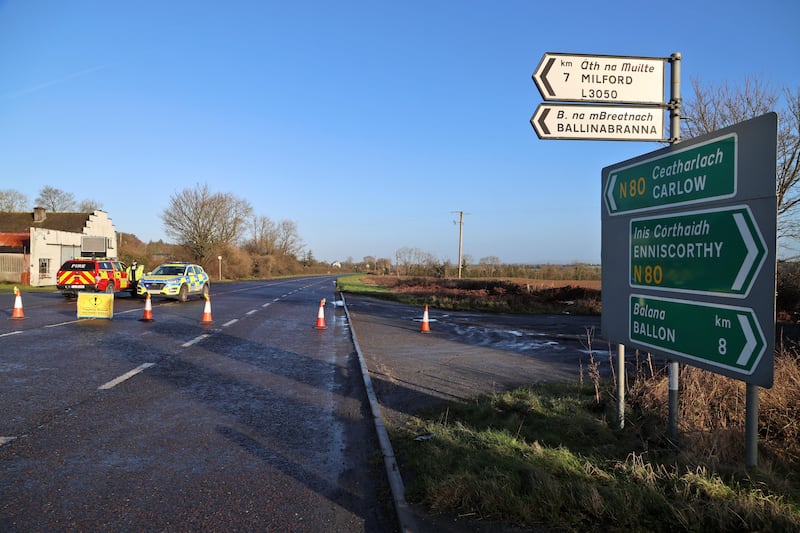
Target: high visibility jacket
x,y
135,274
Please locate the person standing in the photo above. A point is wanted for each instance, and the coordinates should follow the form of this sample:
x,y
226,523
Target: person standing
x,y
135,273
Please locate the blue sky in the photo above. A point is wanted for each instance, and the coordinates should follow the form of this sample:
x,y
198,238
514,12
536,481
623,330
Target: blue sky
x,y
368,123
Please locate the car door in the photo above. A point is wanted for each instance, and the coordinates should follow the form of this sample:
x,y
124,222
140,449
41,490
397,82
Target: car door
x,y
121,275
194,286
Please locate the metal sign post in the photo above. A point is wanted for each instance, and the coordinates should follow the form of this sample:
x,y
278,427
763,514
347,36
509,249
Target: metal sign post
x,y
601,79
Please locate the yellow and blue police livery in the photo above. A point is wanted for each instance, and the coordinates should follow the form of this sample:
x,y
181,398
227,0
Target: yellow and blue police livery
x,y
175,280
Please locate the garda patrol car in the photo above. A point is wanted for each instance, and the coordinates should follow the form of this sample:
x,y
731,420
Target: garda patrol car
x,y
175,280
91,274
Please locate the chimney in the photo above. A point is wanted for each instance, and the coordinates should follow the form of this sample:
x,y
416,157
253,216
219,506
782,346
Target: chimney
x,y
39,214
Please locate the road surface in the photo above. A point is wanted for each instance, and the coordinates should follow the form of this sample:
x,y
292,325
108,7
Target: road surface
x,y
257,421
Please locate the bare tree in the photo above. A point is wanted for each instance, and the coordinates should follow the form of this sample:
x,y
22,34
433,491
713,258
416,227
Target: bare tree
x,y
715,107
403,257
55,200
288,242
492,262
204,221
416,262
12,201
383,265
275,238
89,206
265,236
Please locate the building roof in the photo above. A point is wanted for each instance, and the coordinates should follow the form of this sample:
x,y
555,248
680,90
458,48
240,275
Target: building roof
x,y
14,240
22,222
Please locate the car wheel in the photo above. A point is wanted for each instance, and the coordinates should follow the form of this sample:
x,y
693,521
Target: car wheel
x,y
183,294
110,287
205,291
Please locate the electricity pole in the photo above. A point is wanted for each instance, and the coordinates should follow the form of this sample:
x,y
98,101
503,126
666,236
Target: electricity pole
x,y
460,237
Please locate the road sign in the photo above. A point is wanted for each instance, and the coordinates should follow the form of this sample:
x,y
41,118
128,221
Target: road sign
x,y
599,78
722,248
95,305
698,173
715,335
713,251
604,123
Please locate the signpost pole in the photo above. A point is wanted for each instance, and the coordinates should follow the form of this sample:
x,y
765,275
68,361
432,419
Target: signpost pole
x,y
674,137
751,426
675,98
621,386
672,420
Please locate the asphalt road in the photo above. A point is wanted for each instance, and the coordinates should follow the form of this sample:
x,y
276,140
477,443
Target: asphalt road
x,y
255,422
467,353
258,421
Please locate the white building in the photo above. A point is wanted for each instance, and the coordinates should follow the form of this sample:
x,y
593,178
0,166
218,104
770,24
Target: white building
x,y
34,245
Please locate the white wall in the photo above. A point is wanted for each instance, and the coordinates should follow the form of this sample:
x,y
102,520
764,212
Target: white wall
x,y
58,246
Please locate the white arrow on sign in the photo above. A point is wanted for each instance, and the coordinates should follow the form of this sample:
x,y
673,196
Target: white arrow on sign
x,y
612,182
599,78
750,341
752,251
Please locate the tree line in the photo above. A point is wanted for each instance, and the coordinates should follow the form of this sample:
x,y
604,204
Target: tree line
x,y
52,199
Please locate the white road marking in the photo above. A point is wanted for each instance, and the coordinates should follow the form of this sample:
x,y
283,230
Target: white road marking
x,y
10,333
195,340
125,376
230,322
60,324
251,312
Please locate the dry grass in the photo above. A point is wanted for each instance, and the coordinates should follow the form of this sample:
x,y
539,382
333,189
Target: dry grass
x,y
531,284
546,455
711,413
506,295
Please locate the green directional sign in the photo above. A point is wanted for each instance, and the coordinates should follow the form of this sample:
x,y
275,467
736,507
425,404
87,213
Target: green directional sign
x,y
718,336
712,251
699,173
686,231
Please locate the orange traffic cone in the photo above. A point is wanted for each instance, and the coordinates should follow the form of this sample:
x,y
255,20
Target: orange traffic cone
x,y
148,310
321,316
207,312
426,328
18,311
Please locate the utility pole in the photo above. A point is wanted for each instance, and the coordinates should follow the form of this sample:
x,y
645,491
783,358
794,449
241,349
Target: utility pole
x,y
460,237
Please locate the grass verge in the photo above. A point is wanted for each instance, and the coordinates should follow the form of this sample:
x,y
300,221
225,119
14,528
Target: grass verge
x,y
356,283
9,288
546,456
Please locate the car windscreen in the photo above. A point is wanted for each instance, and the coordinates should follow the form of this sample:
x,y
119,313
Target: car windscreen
x,y
168,271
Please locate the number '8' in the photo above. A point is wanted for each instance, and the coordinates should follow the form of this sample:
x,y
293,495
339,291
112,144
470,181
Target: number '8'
x,y
722,346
